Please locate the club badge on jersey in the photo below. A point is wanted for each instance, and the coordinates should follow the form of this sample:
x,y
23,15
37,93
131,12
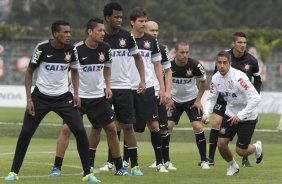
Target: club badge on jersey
x,y
122,42
101,57
147,44
189,73
247,67
68,57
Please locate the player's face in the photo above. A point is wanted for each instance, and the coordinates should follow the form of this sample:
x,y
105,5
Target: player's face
x,y
140,24
115,19
240,44
64,35
182,53
222,64
97,34
152,29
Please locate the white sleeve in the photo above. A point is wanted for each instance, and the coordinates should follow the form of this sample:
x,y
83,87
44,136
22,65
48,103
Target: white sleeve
x,y
253,98
212,97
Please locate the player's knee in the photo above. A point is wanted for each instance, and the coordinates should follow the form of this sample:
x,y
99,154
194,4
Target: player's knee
x,y
222,144
128,128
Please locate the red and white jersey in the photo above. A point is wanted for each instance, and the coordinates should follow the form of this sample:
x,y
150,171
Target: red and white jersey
x,y
239,93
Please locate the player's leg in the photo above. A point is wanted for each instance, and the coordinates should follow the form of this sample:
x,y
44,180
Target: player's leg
x,y
245,131
94,139
214,137
62,145
30,124
226,133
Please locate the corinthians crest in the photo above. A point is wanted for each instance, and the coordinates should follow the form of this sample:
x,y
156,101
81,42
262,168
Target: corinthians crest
x,y
122,42
247,67
147,44
101,56
189,73
68,57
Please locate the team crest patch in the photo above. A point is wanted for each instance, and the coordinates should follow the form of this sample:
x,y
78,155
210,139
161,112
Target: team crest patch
x,y
222,130
68,57
189,73
230,84
147,44
247,67
122,42
101,56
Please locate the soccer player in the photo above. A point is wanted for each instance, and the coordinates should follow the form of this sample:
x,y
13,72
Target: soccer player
x,y
95,61
248,64
145,105
241,111
153,30
186,96
52,58
123,47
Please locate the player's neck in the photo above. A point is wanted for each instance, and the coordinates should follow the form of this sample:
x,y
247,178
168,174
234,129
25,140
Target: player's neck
x,y
137,34
178,63
237,54
110,30
91,44
56,44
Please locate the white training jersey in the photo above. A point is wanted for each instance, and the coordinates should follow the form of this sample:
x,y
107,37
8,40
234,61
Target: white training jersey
x,y
239,93
53,65
92,63
123,46
184,80
165,62
150,52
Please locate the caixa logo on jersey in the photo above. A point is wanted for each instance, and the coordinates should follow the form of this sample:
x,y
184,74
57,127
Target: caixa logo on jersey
x,y
68,57
56,67
227,94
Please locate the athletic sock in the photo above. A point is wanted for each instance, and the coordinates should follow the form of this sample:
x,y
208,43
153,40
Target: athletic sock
x,y
156,140
165,147
125,152
58,162
132,151
201,144
118,163
92,155
213,142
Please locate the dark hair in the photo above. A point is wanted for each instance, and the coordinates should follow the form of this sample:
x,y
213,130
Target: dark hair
x,y
56,25
92,23
138,12
108,9
180,43
238,34
224,54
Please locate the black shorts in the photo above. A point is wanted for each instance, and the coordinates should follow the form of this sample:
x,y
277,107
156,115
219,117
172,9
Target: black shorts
x,y
145,109
122,101
244,131
220,106
192,114
98,111
61,105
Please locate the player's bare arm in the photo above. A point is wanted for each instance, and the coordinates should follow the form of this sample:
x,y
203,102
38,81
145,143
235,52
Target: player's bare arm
x,y
75,82
140,67
28,82
107,77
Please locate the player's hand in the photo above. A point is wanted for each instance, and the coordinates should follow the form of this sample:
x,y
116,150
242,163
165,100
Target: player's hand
x,y
206,119
141,88
167,97
30,107
170,105
108,93
233,120
197,104
162,96
76,101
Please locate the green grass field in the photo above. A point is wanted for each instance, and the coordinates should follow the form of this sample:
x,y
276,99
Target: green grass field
x,y
184,155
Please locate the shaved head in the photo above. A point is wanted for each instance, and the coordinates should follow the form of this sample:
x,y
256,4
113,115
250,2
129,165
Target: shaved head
x,y
152,28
